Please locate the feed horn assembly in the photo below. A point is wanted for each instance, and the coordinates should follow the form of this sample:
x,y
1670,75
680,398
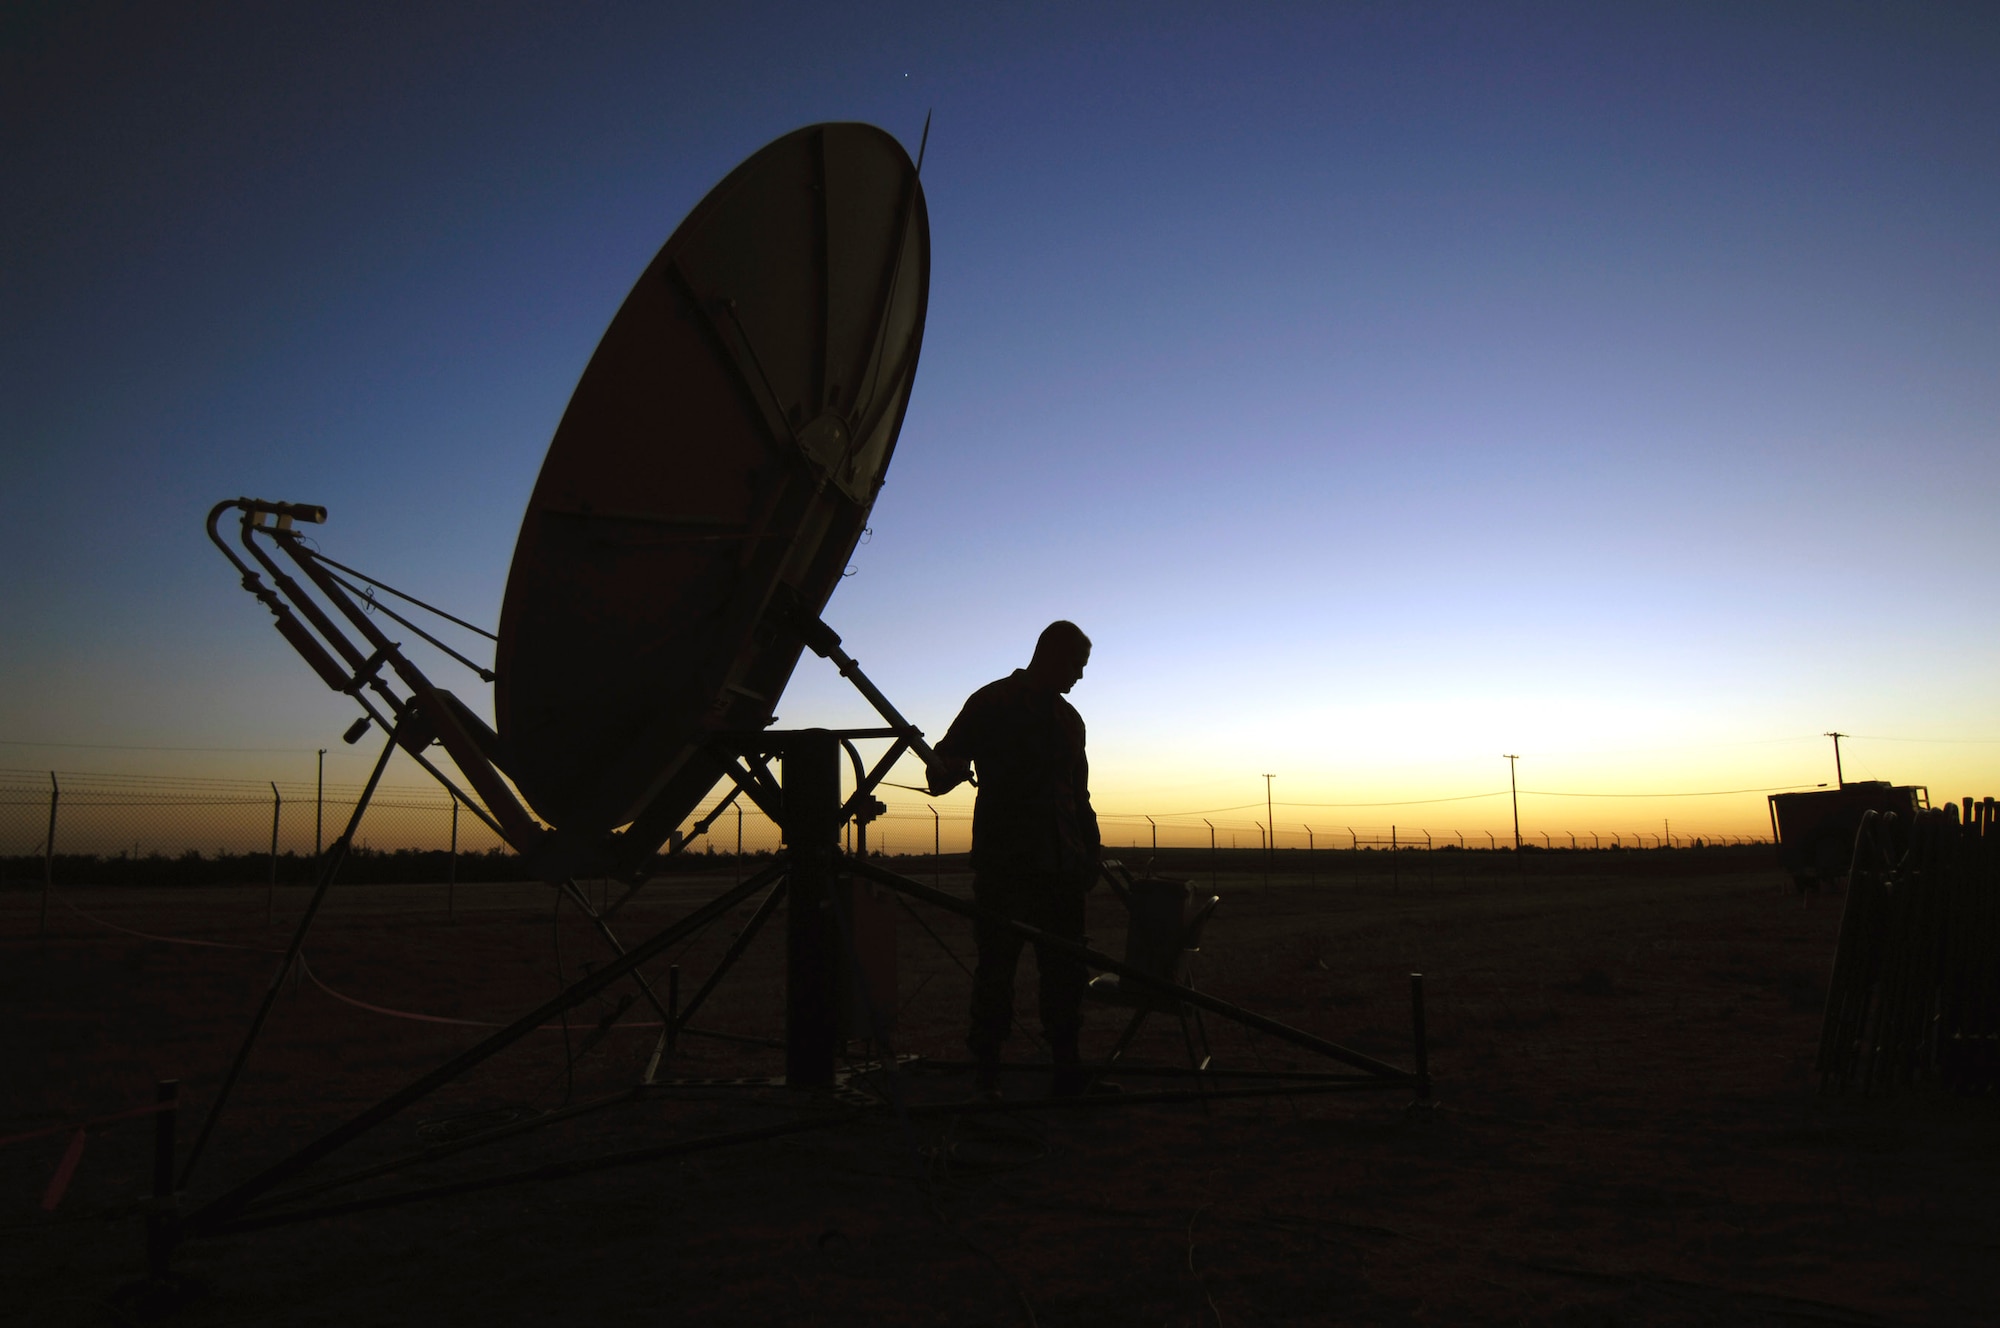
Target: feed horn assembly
x,y
699,503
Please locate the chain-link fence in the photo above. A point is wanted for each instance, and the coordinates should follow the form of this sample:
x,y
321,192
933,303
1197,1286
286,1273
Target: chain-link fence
x,y
163,829
114,829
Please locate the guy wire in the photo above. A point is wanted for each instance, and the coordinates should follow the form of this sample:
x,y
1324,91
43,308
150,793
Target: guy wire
x,y
367,598
317,556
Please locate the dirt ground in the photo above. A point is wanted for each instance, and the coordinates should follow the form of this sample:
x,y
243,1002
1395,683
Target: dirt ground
x,y
1625,1129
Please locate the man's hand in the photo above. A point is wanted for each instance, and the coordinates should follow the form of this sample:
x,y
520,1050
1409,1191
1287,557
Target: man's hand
x,y
945,773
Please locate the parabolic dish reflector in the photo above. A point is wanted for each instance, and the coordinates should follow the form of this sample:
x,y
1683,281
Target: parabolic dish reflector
x,y
719,456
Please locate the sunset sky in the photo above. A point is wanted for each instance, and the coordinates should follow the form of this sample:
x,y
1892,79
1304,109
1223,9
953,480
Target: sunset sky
x,y
1383,388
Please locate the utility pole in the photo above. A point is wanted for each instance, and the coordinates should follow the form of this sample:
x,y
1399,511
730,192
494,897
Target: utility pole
x,y
1270,843
1211,851
937,850
319,809
49,857
1515,793
1841,778
1156,835
271,891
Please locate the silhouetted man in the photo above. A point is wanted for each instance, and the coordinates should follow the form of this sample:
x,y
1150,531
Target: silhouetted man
x,y
1034,843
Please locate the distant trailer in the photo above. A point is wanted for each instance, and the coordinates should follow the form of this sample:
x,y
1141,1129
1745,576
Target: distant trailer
x,y
1815,831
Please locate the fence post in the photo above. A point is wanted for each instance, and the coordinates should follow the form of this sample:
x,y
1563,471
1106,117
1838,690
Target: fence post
x,y
451,870
1417,1035
1211,851
739,843
49,856
271,890
163,1221
1312,860
937,850
673,1029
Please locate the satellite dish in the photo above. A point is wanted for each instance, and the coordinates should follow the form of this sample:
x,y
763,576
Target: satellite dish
x,y
712,473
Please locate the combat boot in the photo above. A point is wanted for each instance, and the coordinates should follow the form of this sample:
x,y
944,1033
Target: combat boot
x,y
986,1078
1071,1077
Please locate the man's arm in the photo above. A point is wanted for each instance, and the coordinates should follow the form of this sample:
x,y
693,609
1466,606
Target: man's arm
x,y
1086,814
951,759
946,773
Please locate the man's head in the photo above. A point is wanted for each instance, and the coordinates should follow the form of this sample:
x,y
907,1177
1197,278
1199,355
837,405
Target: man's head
x,y
1060,654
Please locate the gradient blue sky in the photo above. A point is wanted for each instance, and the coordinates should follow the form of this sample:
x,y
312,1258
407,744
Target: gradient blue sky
x,y
1383,387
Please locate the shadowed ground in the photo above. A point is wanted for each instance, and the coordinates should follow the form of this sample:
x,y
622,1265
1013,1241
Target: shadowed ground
x,y
1627,1129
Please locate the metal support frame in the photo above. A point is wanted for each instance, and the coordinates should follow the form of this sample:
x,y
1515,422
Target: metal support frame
x,y
260,1202
812,944
806,878
811,1032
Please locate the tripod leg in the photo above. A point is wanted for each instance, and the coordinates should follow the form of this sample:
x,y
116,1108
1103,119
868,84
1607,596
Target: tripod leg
x,y
659,1050
1200,1024
1201,1027
1125,1038
1198,1065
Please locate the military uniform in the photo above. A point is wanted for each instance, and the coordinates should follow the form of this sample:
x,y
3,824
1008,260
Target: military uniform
x,y
1034,851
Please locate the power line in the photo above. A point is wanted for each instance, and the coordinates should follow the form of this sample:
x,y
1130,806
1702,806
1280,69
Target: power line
x,y
131,747
1199,811
1706,793
1406,802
